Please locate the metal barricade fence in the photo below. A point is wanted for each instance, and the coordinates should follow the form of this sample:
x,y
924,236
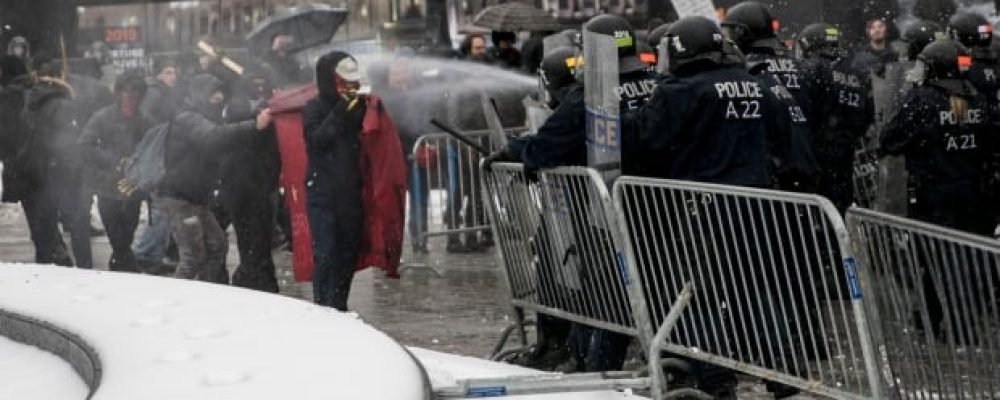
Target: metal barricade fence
x,y
558,243
445,186
775,296
936,300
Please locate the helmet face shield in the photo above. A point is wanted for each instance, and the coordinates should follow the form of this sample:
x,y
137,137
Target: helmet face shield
x,y
731,31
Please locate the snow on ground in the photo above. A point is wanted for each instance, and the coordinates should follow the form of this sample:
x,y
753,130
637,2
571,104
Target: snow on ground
x,y
161,338
29,373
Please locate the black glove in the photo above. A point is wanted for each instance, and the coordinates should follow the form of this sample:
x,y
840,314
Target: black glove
x,y
497,156
531,174
352,111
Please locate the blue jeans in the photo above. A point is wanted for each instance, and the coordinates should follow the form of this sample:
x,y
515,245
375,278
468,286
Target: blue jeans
x,y
153,243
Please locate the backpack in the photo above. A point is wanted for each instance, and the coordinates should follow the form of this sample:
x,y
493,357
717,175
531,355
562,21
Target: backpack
x,y
149,161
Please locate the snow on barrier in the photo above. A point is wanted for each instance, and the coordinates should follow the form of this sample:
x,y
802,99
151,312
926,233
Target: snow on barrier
x,y
935,303
133,336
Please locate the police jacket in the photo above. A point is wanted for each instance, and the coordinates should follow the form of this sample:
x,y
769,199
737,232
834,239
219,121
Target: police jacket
x,y
195,144
944,152
842,107
793,150
107,139
788,71
715,125
561,141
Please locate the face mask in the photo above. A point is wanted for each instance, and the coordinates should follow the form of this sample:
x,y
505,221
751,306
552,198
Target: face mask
x,y
128,104
348,90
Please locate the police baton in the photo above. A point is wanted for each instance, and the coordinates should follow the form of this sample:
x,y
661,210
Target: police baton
x,y
460,136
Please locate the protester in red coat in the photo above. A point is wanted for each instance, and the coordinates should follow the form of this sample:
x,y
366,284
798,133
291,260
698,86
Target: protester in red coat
x,y
355,184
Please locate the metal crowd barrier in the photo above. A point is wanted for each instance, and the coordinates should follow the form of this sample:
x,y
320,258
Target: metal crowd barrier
x,y
935,300
445,174
775,288
558,243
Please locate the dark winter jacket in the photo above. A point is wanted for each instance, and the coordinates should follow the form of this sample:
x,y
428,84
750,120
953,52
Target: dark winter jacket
x,y
716,126
943,155
844,109
332,144
48,139
947,157
793,156
252,163
106,140
196,142
561,141
89,95
788,71
160,103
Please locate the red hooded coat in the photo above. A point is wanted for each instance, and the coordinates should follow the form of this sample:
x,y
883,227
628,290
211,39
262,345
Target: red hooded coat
x,y
383,183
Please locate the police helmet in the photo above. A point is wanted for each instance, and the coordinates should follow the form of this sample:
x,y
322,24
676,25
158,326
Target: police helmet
x,y
750,24
971,29
656,35
618,28
945,59
693,39
920,34
820,39
558,71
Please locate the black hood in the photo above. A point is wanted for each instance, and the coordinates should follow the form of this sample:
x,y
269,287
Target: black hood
x,y
324,75
11,67
200,88
47,89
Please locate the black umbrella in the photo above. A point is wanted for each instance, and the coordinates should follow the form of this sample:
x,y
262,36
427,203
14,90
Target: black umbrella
x,y
311,25
513,17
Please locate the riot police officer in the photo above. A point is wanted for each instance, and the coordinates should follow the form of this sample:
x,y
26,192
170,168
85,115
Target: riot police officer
x,y
975,32
559,142
709,121
686,130
754,30
944,130
842,114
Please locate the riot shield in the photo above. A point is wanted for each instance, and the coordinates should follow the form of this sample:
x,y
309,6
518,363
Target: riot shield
x,y
888,90
498,138
600,70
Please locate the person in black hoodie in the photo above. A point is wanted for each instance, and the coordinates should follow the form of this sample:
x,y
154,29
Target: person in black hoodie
x,y
196,141
108,141
248,187
26,157
332,124
53,119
